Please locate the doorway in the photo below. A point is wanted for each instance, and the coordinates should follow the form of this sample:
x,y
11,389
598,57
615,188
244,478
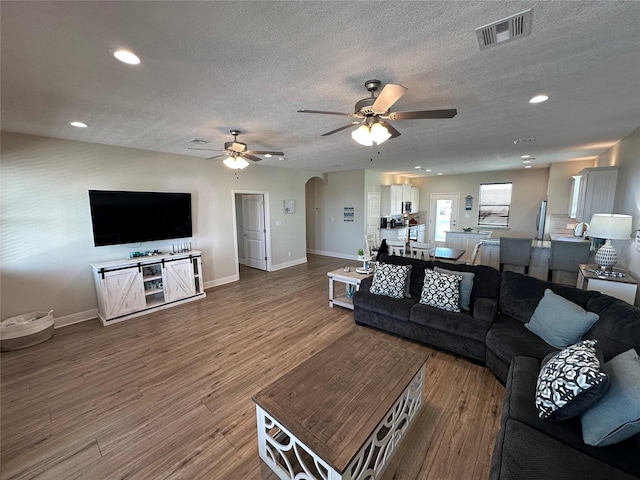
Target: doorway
x,y
253,242
443,216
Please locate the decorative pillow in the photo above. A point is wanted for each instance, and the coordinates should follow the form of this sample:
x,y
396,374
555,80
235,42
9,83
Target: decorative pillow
x,y
616,416
571,382
441,290
466,285
560,322
389,280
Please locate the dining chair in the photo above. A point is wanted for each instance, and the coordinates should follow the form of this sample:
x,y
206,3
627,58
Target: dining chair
x,y
566,256
421,250
397,247
515,251
371,245
474,254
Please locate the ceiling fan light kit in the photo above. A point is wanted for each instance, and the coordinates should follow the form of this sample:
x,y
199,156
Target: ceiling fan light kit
x,y
372,109
237,153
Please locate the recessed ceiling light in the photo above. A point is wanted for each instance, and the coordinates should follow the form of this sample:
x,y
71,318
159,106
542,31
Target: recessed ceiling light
x,y
267,155
526,161
418,167
527,166
539,99
126,56
78,124
439,173
525,156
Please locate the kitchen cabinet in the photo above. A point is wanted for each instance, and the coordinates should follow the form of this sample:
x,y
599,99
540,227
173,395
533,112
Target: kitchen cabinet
x,y
415,199
390,200
464,241
593,191
392,196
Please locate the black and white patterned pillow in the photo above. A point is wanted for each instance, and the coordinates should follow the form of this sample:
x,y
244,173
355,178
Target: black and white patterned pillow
x,y
389,280
441,290
571,382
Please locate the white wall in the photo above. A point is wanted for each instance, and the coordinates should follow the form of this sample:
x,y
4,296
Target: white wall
x,y
626,155
47,242
328,233
529,188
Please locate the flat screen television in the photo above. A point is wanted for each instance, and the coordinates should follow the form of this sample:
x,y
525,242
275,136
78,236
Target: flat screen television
x,y
121,217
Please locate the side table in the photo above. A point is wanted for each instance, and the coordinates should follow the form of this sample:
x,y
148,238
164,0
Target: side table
x,y
624,287
339,296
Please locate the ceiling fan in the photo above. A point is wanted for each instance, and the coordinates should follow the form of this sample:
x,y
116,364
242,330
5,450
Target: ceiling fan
x,y
237,153
372,112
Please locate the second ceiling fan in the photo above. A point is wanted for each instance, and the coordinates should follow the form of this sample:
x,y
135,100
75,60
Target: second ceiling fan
x,y
373,111
237,153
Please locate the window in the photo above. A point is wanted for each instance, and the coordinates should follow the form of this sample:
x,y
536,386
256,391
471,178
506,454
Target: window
x,y
494,204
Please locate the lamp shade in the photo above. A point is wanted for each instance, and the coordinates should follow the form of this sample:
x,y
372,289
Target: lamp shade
x,y
235,162
610,226
362,135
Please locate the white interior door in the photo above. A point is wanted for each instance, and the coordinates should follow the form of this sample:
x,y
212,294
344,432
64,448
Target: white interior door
x,y
443,215
373,214
254,233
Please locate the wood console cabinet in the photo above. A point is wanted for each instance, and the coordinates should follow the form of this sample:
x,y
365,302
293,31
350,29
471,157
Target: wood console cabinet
x,y
132,287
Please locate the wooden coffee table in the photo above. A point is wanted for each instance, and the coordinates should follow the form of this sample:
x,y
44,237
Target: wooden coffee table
x,y
342,413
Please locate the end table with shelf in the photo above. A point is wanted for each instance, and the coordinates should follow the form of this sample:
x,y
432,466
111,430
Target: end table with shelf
x,y
624,287
351,278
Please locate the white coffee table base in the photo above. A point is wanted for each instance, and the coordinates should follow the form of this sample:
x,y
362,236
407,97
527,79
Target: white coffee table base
x,y
290,459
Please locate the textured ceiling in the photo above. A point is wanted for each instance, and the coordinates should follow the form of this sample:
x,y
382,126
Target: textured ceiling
x,y
208,67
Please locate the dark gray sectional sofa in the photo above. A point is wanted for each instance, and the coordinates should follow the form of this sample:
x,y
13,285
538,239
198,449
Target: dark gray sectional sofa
x,y
493,333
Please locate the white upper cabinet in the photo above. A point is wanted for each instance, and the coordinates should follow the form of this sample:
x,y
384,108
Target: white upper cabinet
x,y
596,191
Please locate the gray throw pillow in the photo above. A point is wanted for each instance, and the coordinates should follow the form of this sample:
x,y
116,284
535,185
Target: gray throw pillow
x,y
466,285
616,416
560,322
570,382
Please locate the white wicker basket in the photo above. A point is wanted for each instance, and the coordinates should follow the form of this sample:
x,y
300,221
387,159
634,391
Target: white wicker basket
x,y
26,330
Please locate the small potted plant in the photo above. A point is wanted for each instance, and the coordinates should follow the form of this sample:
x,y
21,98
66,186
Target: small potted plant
x,y
365,261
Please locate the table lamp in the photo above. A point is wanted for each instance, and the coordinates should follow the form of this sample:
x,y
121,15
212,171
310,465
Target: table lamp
x,y
610,226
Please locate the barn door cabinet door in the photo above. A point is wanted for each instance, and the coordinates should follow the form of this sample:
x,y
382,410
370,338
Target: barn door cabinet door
x,y
123,291
178,279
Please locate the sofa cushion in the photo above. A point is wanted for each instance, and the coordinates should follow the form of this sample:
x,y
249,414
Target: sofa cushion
x,y
389,280
396,308
508,338
558,321
486,283
466,285
519,404
618,328
571,382
616,416
462,324
520,294
441,290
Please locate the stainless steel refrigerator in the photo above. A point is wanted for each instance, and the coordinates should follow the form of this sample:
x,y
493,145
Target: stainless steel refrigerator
x,y
540,219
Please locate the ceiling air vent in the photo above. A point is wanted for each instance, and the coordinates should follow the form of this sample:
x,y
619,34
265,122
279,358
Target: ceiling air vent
x,y
509,28
197,141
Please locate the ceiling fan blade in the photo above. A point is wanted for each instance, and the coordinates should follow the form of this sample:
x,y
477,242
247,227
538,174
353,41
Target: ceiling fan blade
x,y
450,113
250,157
302,110
389,95
394,133
205,149
237,147
218,156
339,129
264,152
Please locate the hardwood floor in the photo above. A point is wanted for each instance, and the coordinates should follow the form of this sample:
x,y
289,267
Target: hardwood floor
x,y
168,395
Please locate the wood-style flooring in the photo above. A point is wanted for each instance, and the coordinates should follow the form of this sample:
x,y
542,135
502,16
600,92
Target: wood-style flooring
x,y
168,395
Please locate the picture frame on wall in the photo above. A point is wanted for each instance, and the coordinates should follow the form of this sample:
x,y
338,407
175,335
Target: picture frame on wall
x,y
290,206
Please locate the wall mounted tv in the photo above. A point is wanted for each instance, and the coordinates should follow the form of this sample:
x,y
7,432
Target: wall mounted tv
x,y
129,217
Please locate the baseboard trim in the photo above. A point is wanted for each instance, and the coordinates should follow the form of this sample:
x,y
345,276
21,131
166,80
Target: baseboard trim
x,y
221,281
333,254
75,318
292,263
